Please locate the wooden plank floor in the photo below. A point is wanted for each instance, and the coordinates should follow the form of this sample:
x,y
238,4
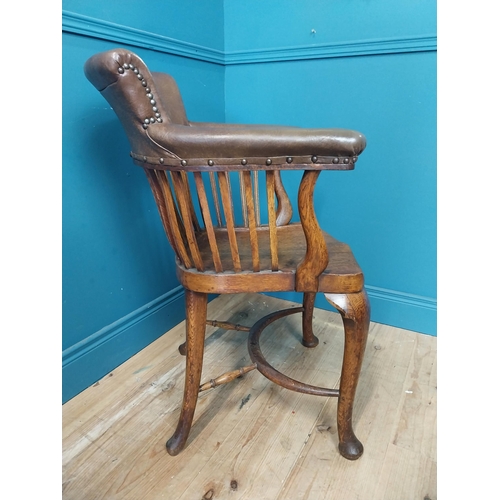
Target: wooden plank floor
x,y
271,442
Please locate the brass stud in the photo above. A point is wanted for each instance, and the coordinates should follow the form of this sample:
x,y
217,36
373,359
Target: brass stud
x,y
162,161
144,126
314,159
335,160
157,115
354,159
269,161
147,89
155,108
131,66
244,162
149,95
136,71
346,160
159,120
121,71
211,163
126,66
184,163
151,120
143,83
153,102
140,76
146,120
289,159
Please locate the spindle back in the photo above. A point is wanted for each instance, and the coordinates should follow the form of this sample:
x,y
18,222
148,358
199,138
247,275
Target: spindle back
x,y
222,209
218,187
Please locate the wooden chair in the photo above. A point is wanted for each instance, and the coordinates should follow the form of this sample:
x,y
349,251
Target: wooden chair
x,y
224,248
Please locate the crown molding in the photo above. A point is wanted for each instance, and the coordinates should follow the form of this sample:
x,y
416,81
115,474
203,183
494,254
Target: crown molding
x,y
332,50
105,30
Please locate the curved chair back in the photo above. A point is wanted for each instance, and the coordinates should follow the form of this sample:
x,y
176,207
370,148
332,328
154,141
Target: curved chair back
x,y
221,225
142,99
138,98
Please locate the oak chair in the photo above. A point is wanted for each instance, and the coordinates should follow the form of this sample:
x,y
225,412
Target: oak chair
x,y
196,172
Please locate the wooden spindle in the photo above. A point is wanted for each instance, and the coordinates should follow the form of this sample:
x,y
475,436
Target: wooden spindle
x,y
244,210
254,242
213,185
228,214
174,219
273,237
255,174
225,378
178,217
160,202
284,212
188,223
189,198
202,197
225,325
229,190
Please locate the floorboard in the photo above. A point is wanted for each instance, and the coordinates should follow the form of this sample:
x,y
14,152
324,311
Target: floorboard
x,y
250,438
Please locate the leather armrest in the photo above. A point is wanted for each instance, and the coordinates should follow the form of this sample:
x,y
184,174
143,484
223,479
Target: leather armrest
x,y
153,116
212,141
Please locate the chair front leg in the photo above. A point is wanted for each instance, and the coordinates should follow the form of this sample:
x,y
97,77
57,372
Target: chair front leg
x,y
196,316
308,337
355,311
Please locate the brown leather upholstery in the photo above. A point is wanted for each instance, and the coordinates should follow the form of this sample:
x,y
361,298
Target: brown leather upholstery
x,y
171,99
173,140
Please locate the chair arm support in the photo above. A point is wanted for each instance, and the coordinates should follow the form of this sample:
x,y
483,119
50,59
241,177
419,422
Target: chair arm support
x,y
316,257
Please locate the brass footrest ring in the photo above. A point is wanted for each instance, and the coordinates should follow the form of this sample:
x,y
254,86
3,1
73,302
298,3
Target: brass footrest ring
x,y
271,373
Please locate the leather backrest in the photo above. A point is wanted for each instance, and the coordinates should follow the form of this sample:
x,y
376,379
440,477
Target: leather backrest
x,y
170,96
138,98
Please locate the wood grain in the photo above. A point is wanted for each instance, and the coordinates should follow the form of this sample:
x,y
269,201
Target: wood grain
x,y
227,206
185,203
316,257
342,273
252,223
276,444
196,315
213,185
284,211
205,210
173,220
189,197
271,210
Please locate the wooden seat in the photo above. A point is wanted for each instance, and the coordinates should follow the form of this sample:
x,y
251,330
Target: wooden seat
x,y
227,216
341,275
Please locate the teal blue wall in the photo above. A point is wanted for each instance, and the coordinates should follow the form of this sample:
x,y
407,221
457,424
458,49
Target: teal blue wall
x,y
190,21
368,66
263,24
119,286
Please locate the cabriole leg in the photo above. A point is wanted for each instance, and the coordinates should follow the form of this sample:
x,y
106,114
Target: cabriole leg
x,y
196,315
355,311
